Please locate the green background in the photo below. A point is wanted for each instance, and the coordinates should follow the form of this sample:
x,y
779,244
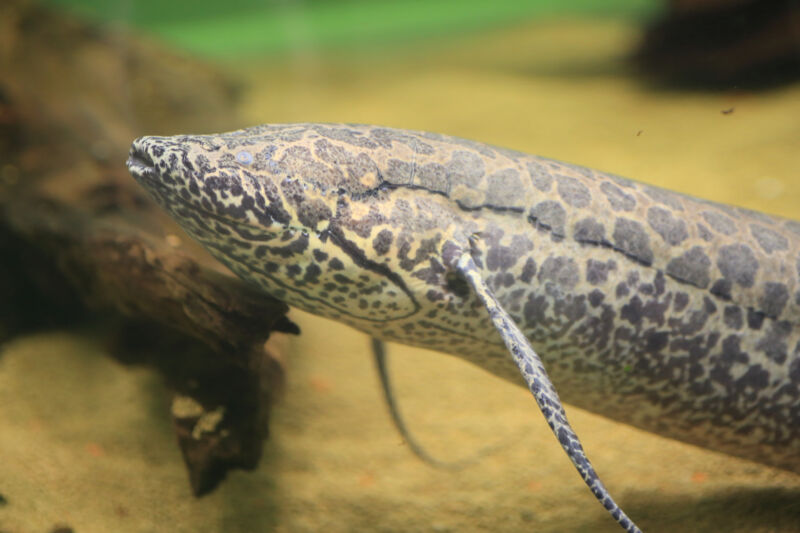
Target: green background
x,y
251,26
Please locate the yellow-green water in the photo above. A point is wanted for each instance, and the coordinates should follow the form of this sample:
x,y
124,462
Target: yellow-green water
x,y
86,442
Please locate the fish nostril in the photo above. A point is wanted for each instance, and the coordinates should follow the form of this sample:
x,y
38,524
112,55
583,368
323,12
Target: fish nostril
x,y
139,151
146,158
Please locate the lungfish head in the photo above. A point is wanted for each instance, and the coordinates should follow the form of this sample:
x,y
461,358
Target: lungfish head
x,y
313,214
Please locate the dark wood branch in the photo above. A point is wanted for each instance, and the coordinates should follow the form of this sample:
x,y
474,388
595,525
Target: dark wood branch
x,y
723,44
80,241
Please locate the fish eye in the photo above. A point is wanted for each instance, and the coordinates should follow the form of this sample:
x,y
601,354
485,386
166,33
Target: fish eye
x,y
244,157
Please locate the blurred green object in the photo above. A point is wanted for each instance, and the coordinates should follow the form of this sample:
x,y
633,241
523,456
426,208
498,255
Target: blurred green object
x,y
210,27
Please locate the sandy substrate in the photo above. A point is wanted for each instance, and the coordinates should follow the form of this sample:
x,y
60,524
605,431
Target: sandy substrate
x,y
86,443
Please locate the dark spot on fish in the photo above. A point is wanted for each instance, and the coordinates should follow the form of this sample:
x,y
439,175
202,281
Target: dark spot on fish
x,y
426,248
342,279
549,215
738,263
573,192
704,233
655,341
504,188
654,310
695,321
540,177
722,289
632,311
733,317
434,296
312,273
597,271
528,271
589,230
433,177
659,283
562,270
457,285
382,242
503,258
596,297
774,298
732,352
398,172
622,289
535,309
773,342
692,267
671,229
680,302
631,239
754,319
572,308
465,168
293,270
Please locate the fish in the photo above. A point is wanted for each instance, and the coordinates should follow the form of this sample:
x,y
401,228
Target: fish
x,y
673,314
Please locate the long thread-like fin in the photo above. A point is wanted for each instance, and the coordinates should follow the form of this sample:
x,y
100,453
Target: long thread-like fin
x,y
381,362
532,369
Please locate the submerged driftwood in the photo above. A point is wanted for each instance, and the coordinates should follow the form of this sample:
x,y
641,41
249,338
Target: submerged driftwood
x,y
723,44
79,240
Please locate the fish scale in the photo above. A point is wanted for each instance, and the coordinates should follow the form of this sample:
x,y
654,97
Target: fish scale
x,y
673,314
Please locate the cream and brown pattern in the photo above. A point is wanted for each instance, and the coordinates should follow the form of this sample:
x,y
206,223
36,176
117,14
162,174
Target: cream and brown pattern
x,y
676,315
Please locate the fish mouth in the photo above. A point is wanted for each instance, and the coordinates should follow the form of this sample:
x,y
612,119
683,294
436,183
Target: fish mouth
x,y
142,167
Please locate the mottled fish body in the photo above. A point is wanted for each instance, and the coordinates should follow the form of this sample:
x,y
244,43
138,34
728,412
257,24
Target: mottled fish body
x,y
675,315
